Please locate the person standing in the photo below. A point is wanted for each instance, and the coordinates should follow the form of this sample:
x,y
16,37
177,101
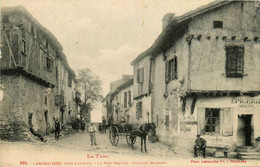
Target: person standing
x,y
92,133
200,144
57,128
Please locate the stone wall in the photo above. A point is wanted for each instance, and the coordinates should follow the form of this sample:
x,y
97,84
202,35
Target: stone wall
x,y
21,98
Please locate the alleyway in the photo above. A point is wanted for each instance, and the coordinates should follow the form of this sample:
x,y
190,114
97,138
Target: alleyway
x,y
75,150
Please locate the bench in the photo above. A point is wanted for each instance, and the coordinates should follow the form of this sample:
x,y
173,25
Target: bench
x,y
223,149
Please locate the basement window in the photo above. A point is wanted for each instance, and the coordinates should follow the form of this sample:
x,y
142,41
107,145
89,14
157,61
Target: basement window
x,y
218,24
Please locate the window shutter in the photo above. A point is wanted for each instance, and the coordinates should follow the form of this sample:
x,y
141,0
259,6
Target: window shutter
x,y
226,116
138,76
141,75
175,67
125,100
129,99
140,110
167,71
240,60
231,60
137,110
201,120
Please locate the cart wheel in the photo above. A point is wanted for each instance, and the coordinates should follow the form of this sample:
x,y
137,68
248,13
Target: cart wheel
x,y
113,135
128,140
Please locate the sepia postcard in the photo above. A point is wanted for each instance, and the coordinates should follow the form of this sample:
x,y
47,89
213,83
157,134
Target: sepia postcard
x,y
130,83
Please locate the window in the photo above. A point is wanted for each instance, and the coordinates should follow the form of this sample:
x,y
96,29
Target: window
x,y
23,55
125,100
217,24
33,31
234,61
139,112
5,19
140,75
69,81
212,120
167,120
171,69
129,99
49,63
140,80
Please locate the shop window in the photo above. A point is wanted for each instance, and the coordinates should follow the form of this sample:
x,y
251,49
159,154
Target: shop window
x,y
234,61
212,120
218,24
171,70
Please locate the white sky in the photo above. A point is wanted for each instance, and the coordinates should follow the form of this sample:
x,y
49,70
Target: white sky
x,y
104,35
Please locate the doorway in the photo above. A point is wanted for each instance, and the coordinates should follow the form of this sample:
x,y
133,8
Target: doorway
x,y
245,130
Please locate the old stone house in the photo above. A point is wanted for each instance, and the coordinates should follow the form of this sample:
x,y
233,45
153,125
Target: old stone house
x,y
118,104
201,76
37,82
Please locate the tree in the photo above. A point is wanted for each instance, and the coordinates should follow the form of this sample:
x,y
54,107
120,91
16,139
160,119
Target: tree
x,y
89,88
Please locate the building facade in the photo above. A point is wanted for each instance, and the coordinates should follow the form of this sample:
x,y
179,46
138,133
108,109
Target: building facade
x,y
36,78
204,76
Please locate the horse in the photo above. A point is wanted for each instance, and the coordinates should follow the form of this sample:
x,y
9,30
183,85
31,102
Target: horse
x,y
142,132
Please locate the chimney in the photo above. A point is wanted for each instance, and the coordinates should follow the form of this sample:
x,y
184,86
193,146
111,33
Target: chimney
x,y
167,19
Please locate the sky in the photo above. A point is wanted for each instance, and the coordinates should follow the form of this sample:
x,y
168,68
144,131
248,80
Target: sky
x,y
104,35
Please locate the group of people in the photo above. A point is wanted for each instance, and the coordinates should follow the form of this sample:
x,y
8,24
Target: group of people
x,y
200,143
92,130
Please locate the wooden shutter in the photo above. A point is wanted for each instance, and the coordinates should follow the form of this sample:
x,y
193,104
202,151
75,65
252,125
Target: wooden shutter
x,y
175,67
141,79
240,60
226,122
125,100
231,61
138,75
137,110
140,110
201,120
167,78
129,98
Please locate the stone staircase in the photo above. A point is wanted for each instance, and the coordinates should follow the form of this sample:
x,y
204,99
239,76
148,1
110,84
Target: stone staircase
x,y
248,152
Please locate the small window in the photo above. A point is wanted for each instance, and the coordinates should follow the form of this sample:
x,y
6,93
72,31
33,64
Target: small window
x,y
171,70
167,121
212,120
218,24
234,61
140,75
5,19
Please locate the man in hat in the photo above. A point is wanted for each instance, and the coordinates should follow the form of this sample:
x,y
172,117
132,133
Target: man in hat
x,y
200,144
92,133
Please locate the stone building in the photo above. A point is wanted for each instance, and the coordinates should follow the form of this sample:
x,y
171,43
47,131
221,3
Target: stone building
x,y
201,76
118,104
37,82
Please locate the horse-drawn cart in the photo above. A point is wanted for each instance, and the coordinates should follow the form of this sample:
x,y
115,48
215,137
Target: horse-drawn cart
x,y
117,130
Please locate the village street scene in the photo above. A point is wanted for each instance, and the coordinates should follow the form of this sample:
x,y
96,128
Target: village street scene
x,y
130,83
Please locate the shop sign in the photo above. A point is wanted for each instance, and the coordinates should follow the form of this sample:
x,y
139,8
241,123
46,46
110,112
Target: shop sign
x,y
245,102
